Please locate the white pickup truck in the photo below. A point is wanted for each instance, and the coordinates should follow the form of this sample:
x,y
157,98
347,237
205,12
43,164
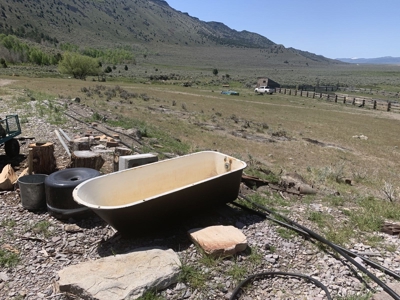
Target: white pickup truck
x,y
264,90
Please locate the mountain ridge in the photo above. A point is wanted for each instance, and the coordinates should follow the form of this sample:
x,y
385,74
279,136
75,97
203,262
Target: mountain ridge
x,y
385,60
151,25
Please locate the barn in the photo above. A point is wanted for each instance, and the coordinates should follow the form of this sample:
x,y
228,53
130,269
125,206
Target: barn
x,y
265,81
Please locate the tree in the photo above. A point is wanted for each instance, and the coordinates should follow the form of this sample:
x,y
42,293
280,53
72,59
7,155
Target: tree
x,y
3,63
215,72
78,65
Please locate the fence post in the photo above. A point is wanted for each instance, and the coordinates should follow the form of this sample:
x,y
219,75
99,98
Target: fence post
x,y
335,98
320,95
374,104
363,103
327,98
313,95
295,92
344,99
389,106
354,101
301,93
285,91
290,92
307,94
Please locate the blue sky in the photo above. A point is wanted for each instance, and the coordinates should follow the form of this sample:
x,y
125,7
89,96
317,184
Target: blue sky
x,y
332,28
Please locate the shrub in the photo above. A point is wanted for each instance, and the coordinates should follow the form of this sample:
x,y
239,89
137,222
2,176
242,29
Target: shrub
x,y
3,63
78,65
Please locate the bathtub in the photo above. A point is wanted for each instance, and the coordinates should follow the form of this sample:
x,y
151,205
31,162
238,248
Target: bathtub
x,y
162,191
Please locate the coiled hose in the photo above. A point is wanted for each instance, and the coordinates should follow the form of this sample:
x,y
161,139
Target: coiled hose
x,y
305,231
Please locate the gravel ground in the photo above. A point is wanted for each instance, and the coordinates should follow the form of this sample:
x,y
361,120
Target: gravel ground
x,y
43,250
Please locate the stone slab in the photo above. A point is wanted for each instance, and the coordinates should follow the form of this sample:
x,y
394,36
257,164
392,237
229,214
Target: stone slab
x,y
219,240
125,276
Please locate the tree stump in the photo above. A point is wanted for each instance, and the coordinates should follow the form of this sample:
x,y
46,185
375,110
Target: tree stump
x,y
43,159
81,144
120,151
86,159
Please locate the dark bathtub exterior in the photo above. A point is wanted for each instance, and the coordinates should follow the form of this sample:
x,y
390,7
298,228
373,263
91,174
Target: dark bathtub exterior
x,y
125,200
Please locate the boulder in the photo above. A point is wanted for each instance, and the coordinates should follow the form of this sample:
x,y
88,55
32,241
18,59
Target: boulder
x,y
125,276
219,240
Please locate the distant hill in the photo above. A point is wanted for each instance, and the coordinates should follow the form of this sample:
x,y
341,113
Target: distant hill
x,y
387,60
143,25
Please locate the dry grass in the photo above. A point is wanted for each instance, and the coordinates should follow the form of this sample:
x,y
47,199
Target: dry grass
x,y
190,114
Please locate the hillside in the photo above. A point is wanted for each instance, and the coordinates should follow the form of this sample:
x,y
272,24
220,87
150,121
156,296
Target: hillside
x,y
146,26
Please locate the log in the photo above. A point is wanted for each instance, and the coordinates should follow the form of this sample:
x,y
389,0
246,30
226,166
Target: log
x,y
305,189
81,144
86,159
43,159
120,151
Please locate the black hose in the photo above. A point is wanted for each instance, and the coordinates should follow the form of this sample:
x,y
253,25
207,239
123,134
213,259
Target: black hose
x,y
306,235
333,246
268,274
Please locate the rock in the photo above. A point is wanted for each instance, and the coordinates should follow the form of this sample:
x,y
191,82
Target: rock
x,y
361,137
72,228
385,296
3,277
219,240
125,276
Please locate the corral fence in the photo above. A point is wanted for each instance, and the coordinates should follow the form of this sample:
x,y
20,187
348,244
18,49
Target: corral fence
x,y
344,89
356,101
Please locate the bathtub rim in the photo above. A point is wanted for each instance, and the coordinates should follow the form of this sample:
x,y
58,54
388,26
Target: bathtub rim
x,y
78,199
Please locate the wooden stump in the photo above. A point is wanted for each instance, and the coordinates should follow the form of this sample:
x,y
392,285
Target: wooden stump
x,y
43,159
81,144
86,159
120,151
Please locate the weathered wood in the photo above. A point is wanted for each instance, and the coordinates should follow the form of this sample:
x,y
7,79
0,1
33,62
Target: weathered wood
x,y
30,161
86,159
7,178
120,151
62,142
43,159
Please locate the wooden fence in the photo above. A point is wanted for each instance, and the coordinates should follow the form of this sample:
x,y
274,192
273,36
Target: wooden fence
x,y
366,102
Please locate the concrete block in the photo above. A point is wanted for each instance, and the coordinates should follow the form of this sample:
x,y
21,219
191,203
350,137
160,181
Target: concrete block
x,y
131,161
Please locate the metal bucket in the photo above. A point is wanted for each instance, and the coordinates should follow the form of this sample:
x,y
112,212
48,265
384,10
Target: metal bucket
x,y
32,191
